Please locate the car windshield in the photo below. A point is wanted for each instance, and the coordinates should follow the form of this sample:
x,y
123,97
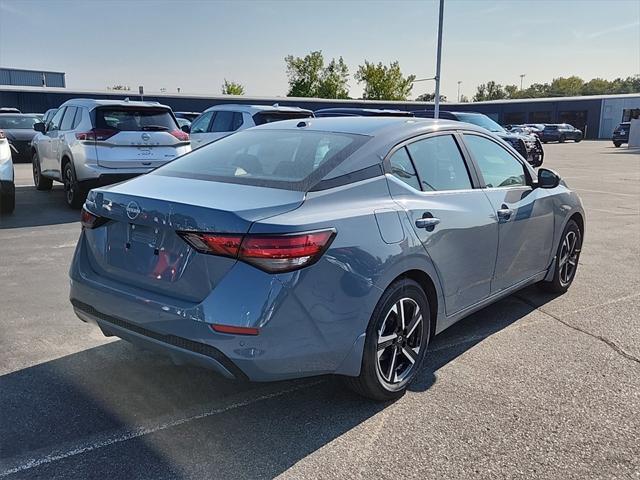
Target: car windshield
x,y
18,122
134,119
288,159
480,120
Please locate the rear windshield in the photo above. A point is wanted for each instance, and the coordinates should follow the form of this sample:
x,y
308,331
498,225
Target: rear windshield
x,y
19,122
261,118
287,159
134,119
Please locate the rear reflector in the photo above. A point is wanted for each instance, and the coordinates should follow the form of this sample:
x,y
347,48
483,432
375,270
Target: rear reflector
x,y
235,330
271,253
89,220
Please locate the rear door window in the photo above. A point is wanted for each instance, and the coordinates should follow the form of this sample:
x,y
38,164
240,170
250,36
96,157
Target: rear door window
x,y
67,121
289,159
222,122
440,164
131,119
402,168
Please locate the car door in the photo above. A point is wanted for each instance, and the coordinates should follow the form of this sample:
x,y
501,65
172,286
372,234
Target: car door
x,y
453,219
524,213
47,146
199,129
59,146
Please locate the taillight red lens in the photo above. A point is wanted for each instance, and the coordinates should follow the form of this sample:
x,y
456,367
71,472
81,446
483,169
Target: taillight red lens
x,y
272,253
89,220
96,135
235,330
180,135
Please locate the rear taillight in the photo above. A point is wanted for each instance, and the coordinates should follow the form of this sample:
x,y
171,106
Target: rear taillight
x,y
271,253
89,220
96,135
180,135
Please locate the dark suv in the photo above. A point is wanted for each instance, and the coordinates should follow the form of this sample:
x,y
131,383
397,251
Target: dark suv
x,y
560,133
528,146
621,134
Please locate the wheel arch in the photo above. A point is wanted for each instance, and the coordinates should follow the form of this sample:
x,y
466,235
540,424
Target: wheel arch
x,y
428,286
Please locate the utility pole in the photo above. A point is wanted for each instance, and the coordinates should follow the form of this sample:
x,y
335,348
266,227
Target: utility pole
x,y
522,75
436,109
459,82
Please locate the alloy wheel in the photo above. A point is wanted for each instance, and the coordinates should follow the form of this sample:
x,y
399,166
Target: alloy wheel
x,y
69,183
569,253
36,173
399,341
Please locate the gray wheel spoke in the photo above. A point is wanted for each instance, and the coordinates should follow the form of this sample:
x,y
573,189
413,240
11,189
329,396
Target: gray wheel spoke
x,y
402,318
385,342
392,367
410,353
415,321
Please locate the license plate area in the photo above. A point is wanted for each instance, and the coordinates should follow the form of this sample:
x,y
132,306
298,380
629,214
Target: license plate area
x,y
142,235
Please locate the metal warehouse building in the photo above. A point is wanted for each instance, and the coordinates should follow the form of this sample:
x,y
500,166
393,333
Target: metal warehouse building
x,y
596,116
31,78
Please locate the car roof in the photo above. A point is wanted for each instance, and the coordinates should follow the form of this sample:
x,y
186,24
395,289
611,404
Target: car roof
x,y
354,111
253,109
92,103
370,126
10,114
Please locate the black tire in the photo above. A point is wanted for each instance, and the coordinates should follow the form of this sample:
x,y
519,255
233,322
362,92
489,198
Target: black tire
x,y
41,183
617,144
562,280
561,139
74,193
372,382
8,200
578,139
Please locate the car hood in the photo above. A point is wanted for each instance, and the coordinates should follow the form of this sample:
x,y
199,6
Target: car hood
x,y
20,135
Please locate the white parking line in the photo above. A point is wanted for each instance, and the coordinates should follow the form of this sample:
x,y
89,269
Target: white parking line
x,y
100,441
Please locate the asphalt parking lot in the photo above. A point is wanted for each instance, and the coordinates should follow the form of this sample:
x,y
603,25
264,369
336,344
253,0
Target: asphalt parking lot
x,y
531,387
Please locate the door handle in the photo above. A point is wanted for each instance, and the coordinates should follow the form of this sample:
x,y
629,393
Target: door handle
x,y
428,223
505,213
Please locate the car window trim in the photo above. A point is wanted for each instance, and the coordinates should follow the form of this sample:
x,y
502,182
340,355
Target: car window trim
x,y
473,176
64,111
527,173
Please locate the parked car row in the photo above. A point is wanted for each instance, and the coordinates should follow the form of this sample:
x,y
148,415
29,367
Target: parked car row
x,y
550,132
87,143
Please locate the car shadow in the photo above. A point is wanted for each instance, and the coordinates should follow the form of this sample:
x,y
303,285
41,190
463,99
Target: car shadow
x,y
621,150
35,209
59,408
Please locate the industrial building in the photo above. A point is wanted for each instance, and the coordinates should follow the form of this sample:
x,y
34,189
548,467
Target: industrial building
x,y
31,78
596,116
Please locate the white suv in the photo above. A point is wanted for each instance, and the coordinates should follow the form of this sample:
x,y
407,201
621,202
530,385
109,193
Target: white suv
x,y
90,143
222,120
7,187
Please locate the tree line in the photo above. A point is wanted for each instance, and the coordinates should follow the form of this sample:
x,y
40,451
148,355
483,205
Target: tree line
x,y
559,87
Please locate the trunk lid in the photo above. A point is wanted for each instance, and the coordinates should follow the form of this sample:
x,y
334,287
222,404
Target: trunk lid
x,y
139,245
134,149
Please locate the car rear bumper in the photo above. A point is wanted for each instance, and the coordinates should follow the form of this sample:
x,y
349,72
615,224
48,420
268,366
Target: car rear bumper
x,y
295,339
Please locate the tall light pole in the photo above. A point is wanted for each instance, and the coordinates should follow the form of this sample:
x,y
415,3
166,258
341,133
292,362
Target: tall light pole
x,y
436,108
459,82
522,75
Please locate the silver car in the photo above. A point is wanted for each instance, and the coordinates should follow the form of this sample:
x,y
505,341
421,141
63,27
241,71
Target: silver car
x,y
222,120
90,143
7,186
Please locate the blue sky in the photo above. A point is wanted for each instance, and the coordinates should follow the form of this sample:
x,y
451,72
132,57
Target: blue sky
x,y
196,44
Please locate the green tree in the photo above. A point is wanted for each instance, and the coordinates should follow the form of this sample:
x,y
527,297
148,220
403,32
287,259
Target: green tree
x,y
566,86
489,91
308,77
511,91
334,80
430,97
232,88
382,82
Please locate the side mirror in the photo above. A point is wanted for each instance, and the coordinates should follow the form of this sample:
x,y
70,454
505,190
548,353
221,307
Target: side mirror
x,y
39,127
548,178
186,128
